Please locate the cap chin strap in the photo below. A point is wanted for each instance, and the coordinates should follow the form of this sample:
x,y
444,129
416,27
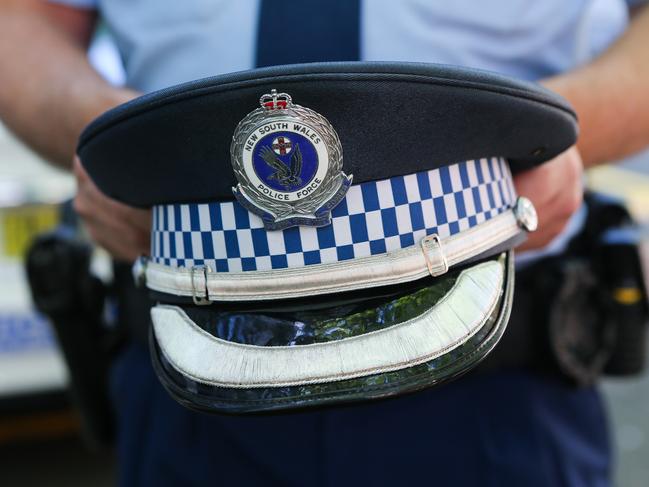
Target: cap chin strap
x,y
433,256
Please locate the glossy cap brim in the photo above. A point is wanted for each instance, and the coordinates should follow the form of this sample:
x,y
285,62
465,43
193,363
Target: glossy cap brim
x,y
238,361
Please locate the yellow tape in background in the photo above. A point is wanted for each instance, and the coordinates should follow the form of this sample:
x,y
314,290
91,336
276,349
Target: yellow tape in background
x,y
19,225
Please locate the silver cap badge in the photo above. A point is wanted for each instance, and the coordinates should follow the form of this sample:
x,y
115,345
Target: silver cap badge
x,y
288,163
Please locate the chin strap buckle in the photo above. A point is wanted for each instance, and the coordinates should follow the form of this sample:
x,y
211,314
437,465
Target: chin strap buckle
x,y
201,299
428,244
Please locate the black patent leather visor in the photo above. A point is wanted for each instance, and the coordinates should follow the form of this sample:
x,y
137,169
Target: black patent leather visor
x,y
291,355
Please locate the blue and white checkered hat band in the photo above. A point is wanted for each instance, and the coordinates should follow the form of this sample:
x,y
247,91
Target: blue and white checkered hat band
x,y
374,218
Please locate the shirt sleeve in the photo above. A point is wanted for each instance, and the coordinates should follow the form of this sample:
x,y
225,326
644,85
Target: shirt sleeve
x,y
76,3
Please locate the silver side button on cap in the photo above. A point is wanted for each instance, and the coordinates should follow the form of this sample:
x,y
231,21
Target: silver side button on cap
x,y
526,214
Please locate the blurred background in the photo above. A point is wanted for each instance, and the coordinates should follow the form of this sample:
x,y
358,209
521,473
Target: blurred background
x,y
41,437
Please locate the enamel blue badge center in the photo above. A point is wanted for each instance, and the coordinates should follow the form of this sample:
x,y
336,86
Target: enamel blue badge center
x,y
288,163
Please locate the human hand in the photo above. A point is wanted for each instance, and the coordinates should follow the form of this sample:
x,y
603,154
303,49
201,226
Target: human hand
x,y
556,190
122,230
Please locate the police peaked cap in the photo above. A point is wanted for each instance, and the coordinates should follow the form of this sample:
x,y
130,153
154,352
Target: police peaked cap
x,y
327,233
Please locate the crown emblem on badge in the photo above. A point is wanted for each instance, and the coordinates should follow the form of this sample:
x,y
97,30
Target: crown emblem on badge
x,y
275,101
288,163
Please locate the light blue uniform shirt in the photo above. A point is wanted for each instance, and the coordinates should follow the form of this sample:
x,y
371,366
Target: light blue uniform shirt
x,y
167,42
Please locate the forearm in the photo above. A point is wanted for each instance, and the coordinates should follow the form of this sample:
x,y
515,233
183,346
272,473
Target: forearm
x,y
611,97
48,90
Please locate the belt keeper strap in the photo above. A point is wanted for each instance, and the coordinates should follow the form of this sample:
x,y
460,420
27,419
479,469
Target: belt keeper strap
x,y
425,244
